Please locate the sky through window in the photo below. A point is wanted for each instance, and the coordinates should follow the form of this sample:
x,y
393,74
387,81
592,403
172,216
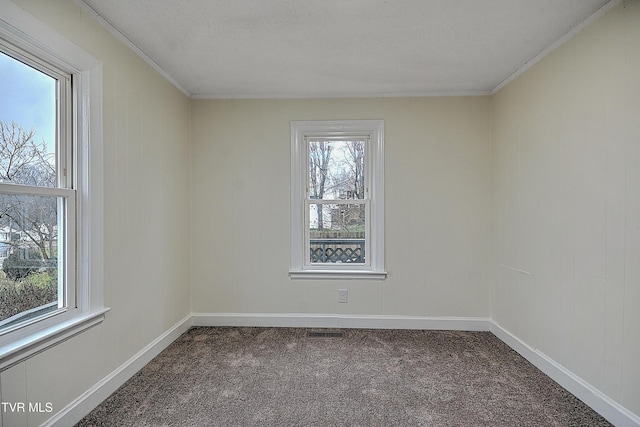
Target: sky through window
x,y
27,96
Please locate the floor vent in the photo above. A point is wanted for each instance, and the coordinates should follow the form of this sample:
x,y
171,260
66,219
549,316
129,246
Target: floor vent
x,y
323,333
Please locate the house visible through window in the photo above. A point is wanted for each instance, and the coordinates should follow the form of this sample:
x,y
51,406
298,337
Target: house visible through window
x,y
338,201
337,204
37,200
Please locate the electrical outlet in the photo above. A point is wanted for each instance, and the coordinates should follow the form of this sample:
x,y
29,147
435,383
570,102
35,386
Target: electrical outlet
x,y
343,295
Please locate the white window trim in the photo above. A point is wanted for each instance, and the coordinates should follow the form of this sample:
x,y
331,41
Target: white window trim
x,y
300,130
22,29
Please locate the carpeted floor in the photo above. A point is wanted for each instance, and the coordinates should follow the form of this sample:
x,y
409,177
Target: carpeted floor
x,y
281,377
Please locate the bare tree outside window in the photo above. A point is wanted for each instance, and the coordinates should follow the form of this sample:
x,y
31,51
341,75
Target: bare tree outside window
x,y
319,157
24,161
50,138
28,224
337,174
350,173
29,210
337,199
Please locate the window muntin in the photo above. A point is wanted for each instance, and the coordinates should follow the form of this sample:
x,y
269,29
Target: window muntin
x,y
337,199
37,198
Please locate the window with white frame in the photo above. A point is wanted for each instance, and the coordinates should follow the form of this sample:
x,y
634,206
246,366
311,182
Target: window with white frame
x,y
50,278
37,200
337,199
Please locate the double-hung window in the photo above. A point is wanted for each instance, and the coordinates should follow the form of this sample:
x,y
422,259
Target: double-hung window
x,y
337,199
37,198
50,278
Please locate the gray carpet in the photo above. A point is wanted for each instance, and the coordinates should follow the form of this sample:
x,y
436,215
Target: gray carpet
x,y
280,377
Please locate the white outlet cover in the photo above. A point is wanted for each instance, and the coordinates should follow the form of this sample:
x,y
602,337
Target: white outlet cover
x,y
343,295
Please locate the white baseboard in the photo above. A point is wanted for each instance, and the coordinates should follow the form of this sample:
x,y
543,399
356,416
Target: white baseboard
x,y
605,406
85,403
302,320
598,401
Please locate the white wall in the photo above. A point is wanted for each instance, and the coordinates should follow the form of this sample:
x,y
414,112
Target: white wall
x,y
146,162
437,208
553,160
566,205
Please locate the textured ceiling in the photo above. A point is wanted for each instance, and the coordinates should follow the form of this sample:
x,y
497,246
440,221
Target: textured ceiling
x,y
295,48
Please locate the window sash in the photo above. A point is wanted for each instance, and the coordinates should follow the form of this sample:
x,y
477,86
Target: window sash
x,y
367,233
67,302
333,137
346,137
63,131
66,305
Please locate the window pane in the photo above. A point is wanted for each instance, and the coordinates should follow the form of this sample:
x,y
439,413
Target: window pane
x,y
30,254
337,233
27,124
336,169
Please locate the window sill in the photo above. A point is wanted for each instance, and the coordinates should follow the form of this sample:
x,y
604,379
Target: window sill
x,y
337,274
19,350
